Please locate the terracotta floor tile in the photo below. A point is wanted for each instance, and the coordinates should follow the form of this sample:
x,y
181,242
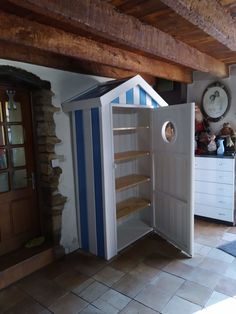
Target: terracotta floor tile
x,y
145,271
159,291
220,304
83,286
167,282
229,236
93,291
214,265
124,263
194,261
178,305
90,309
201,249
231,271
232,230
157,261
10,297
154,297
87,264
27,305
220,255
137,308
71,279
130,285
54,270
226,286
209,240
194,293
204,277
68,304
179,269
153,272
42,290
109,275
111,302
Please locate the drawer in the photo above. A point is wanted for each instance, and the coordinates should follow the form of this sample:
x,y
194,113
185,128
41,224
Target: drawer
x,y
214,176
213,212
214,200
214,164
214,188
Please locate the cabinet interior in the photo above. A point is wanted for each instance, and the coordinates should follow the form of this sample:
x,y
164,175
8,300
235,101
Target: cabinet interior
x,y
133,173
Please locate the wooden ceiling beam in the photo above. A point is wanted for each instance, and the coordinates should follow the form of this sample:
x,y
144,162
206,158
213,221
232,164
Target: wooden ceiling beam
x,y
102,20
20,53
210,16
25,32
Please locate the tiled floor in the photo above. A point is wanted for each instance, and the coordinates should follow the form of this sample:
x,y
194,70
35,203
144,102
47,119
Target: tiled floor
x,y
149,277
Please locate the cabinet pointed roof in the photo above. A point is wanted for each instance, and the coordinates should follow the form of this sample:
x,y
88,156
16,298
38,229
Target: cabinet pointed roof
x,y
133,91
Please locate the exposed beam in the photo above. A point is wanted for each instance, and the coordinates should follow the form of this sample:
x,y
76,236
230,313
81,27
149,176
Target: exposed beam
x,y
101,19
19,53
227,2
32,34
210,16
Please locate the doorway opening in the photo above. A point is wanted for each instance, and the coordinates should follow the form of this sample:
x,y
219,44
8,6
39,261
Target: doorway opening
x,y
30,203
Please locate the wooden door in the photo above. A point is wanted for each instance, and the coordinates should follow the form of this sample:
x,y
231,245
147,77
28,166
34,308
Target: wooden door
x,y
173,143
19,214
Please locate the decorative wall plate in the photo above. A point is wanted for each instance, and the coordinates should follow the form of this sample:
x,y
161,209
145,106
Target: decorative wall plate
x,y
215,102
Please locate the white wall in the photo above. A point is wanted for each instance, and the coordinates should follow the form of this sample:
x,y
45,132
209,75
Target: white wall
x,y
64,85
197,88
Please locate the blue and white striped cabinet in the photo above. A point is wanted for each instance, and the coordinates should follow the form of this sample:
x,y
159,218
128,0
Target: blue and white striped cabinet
x,y
113,133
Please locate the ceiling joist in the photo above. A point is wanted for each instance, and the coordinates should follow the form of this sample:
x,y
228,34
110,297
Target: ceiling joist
x,y
210,16
102,20
20,53
32,34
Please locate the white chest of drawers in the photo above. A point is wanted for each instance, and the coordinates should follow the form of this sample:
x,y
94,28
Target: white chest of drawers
x,y
214,188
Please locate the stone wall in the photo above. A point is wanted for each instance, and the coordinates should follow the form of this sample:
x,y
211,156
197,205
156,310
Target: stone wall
x,y
51,201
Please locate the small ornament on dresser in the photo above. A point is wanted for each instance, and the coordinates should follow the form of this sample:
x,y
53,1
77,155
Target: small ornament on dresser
x,y
212,144
229,135
221,148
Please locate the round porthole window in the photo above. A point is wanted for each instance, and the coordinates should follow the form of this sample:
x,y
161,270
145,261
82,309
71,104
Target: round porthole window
x,y
168,132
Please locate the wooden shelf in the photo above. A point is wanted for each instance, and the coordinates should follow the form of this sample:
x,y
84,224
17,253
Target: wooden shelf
x,y
126,182
131,128
131,205
123,156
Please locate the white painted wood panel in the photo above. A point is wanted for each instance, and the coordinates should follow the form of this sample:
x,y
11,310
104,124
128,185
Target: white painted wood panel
x,y
174,162
214,212
214,188
214,176
218,164
214,200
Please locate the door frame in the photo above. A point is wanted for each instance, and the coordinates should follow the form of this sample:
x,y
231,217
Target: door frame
x,y
51,202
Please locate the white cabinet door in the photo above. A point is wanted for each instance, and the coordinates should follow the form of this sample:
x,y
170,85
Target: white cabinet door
x,y
173,175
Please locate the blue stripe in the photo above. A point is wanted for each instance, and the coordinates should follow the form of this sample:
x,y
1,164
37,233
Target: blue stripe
x,y
98,181
116,101
154,103
142,96
130,96
79,125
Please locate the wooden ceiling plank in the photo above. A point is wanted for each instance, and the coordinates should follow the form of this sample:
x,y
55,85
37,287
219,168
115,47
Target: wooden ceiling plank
x,y
210,16
102,20
32,34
